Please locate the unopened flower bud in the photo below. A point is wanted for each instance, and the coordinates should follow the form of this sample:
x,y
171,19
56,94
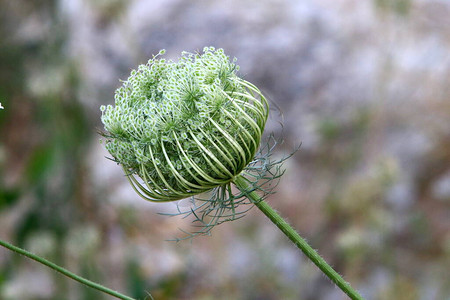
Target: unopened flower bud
x,y
184,127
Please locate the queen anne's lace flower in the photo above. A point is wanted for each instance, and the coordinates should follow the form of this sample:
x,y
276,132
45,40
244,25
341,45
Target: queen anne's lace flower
x,y
184,127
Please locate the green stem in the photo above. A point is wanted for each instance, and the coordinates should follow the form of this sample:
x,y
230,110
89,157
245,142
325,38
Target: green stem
x,y
290,232
65,272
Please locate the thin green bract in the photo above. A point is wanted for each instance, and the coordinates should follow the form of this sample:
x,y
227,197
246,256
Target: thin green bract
x,y
182,128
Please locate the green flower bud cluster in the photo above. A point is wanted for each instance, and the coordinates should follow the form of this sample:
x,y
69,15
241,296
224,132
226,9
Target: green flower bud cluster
x,y
184,127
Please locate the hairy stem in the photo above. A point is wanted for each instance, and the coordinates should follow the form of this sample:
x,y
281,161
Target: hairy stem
x,y
65,272
290,232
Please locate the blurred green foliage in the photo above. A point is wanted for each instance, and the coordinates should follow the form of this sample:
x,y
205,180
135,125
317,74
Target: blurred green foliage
x,y
400,7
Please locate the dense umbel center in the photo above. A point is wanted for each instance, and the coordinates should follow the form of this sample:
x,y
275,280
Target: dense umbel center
x,y
184,127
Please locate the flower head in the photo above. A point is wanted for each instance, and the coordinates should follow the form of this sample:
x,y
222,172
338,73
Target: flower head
x,y
184,127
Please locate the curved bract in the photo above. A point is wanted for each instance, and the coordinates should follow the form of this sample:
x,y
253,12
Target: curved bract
x,y
182,128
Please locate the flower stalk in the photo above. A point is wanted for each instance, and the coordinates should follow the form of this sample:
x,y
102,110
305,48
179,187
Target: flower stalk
x,y
65,272
242,184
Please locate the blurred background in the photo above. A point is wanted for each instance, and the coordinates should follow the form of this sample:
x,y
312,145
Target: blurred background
x,y
363,85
